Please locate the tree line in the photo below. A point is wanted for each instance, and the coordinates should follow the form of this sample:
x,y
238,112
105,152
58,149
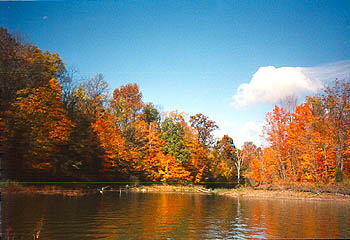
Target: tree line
x,y
309,142
57,127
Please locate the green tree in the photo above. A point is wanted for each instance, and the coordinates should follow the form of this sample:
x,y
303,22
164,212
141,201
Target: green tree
x,y
150,114
172,135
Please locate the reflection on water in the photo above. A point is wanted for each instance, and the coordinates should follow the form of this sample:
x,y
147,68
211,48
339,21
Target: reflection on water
x,y
170,216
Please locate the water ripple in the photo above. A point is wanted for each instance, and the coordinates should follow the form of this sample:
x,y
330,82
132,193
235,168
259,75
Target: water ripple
x,y
171,216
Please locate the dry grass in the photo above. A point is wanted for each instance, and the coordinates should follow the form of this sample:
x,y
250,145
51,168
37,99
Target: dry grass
x,y
332,188
305,191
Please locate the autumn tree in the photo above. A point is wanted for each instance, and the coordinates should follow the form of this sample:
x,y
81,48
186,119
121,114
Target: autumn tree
x,y
337,101
320,124
131,97
84,103
253,157
159,166
127,105
250,151
69,82
270,166
275,132
197,163
150,164
118,161
205,128
304,138
22,66
41,129
289,103
311,143
90,98
222,159
169,169
172,135
150,113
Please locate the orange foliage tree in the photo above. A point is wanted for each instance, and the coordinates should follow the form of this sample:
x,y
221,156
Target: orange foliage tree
x,y
43,126
276,135
310,144
118,159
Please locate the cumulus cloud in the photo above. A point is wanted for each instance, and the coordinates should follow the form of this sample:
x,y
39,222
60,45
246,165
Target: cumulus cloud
x,y
270,84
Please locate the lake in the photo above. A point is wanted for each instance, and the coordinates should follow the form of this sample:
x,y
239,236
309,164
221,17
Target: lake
x,y
169,216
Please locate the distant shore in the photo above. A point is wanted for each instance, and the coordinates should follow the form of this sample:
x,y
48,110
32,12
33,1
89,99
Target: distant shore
x,y
266,192
85,190
295,192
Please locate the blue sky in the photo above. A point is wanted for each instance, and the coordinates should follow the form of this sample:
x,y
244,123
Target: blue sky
x,y
230,60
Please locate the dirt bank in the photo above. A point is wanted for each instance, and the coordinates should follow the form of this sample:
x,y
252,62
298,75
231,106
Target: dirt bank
x,y
283,194
302,193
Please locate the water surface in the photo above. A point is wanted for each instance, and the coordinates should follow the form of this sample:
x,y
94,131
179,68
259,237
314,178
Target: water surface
x,y
170,216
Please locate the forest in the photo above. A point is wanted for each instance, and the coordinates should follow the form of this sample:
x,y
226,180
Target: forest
x,y
55,127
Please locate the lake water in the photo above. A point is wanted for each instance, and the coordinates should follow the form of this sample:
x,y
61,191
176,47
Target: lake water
x,y
170,216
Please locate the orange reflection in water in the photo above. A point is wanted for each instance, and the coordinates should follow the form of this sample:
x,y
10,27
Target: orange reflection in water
x,y
296,218
172,216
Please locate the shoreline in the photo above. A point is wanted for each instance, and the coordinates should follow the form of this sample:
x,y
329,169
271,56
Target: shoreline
x,y
284,194
280,192
247,192
171,189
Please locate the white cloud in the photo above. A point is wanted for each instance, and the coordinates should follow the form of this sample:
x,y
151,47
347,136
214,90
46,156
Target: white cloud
x,y
249,131
225,127
226,123
252,129
270,84
329,72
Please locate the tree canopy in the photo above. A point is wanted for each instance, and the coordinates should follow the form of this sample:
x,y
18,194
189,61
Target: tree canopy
x,y
57,127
